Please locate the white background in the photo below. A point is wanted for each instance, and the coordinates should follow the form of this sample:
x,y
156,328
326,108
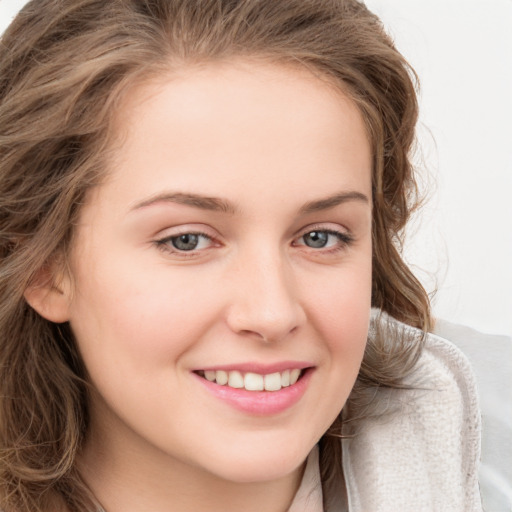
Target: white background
x,y
461,242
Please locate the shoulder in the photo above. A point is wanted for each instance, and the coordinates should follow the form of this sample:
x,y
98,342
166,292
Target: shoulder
x,y
424,454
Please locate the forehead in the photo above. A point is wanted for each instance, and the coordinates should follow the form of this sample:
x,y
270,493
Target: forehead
x,y
223,122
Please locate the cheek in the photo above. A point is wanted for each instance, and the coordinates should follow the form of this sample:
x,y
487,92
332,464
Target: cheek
x,y
340,314
340,306
139,318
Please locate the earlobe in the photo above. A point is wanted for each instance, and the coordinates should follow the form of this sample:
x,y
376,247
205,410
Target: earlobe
x,y
49,298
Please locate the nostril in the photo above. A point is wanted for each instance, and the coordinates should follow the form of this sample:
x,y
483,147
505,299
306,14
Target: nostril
x,y
260,336
267,307
264,328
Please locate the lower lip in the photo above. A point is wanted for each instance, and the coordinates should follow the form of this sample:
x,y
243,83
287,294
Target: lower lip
x,y
261,403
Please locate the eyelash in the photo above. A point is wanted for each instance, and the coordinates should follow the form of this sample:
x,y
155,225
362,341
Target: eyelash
x,y
165,244
344,241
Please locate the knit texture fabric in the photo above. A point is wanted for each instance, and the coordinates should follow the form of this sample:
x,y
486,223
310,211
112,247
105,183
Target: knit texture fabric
x,y
423,456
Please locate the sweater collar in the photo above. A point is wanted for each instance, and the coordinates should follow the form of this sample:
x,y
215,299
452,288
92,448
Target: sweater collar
x,y
309,495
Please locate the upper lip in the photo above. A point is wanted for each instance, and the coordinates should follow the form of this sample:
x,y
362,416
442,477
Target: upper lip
x,y
262,369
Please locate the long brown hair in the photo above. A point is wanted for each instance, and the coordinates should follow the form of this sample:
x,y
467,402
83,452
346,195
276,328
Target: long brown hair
x,y
64,67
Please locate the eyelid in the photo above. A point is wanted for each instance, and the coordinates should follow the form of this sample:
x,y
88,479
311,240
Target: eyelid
x,y
171,237
185,229
326,227
163,240
344,236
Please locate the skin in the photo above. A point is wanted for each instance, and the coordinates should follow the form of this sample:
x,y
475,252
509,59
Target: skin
x,y
270,142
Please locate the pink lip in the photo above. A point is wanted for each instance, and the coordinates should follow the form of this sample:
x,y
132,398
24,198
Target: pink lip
x,y
261,403
262,369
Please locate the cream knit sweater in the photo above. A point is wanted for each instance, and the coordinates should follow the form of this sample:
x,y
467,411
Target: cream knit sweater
x,y
421,458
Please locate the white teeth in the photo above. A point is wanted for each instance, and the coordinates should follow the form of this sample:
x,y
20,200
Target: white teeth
x,y
221,377
235,380
273,382
210,375
254,381
294,376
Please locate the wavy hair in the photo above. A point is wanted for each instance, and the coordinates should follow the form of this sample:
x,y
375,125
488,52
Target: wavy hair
x,y
64,68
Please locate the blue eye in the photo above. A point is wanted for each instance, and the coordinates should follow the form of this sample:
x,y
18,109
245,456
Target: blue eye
x,y
186,242
316,239
325,238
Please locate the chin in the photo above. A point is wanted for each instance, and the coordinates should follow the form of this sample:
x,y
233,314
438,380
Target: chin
x,y
261,464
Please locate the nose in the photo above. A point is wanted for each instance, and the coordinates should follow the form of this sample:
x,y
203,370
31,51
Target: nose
x,y
264,299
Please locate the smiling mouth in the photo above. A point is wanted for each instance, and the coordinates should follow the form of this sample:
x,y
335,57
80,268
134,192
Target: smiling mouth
x,y
253,381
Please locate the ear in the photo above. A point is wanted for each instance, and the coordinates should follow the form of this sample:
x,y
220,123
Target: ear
x,y
50,296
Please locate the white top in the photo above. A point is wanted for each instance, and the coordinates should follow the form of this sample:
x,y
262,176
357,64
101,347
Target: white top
x,y
422,457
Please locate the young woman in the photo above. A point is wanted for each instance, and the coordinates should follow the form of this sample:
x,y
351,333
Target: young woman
x,y
201,202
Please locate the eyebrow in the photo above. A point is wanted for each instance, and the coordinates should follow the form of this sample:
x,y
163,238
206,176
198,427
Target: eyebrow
x,y
221,205
334,200
197,201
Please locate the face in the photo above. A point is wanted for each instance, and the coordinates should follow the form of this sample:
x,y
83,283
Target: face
x,y
231,241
